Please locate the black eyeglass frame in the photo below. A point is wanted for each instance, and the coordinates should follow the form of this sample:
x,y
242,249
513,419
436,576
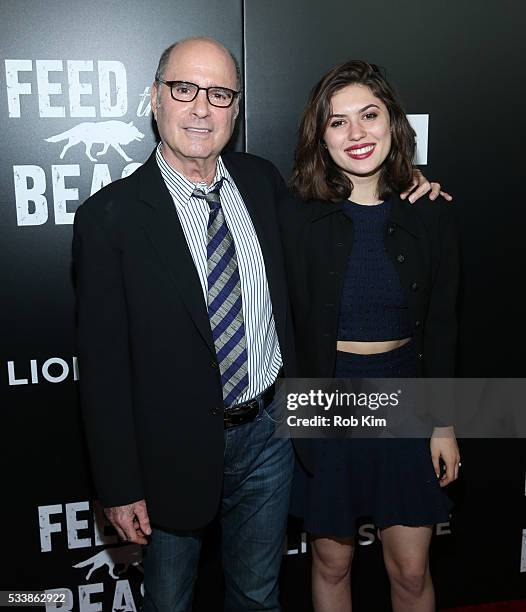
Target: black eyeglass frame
x,y
170,84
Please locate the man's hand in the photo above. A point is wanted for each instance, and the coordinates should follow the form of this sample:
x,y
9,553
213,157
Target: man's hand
x,y
444,444
420,186
131,522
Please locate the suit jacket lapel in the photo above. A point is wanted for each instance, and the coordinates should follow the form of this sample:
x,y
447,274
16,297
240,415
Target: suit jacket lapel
x,y
164,229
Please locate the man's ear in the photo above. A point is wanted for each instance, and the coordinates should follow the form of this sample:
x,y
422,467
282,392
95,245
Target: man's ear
x,y
153,99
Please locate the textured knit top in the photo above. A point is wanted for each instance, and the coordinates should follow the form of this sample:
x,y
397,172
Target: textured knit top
x,y
373,305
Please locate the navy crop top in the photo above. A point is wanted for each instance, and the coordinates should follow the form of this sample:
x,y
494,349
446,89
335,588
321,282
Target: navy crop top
x,y
373,305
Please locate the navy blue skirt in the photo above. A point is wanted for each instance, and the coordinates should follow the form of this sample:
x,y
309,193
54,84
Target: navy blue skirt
x,y
390,481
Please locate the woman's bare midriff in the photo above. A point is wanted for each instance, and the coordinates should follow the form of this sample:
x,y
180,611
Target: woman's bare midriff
x,y
370,348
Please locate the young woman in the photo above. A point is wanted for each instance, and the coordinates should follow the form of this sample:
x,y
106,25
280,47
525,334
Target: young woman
x,y
373,283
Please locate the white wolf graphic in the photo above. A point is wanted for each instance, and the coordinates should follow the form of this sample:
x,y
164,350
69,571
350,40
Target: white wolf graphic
x,y
111,557
107,133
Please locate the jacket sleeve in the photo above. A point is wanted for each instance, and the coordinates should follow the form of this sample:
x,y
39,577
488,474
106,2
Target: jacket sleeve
x,y
105,363
440,340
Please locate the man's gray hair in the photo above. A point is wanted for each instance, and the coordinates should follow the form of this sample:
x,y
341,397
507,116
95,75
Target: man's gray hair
x,y
165,58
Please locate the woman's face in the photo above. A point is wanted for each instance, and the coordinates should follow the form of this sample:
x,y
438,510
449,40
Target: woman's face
x,y
358,135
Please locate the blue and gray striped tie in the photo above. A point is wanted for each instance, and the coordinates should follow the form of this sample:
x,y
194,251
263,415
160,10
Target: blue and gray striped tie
x,y
225,307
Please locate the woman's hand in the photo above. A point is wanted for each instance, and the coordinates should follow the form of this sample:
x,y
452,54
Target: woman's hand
x,y
420,186
444,445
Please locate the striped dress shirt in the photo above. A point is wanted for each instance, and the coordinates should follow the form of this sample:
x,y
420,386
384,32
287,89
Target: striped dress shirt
x,y
263,352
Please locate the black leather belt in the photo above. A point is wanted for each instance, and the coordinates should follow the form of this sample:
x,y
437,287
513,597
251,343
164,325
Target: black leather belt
x,y
247,411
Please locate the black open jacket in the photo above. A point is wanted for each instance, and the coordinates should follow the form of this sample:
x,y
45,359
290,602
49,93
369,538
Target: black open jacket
x,y
150,385
422,241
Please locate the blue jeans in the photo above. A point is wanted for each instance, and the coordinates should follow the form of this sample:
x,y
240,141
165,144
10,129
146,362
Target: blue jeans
x,y
257,478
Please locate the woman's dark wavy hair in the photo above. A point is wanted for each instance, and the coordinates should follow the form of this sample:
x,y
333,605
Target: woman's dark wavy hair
x,y
314,174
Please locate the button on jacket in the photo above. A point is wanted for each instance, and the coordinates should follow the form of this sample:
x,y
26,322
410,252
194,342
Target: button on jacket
x,y
422,241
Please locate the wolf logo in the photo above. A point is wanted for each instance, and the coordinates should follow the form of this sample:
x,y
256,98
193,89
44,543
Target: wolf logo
x,y
107,133
111,557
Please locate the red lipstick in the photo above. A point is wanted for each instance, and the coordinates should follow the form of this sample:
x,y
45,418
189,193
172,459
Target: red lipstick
x,y
370,146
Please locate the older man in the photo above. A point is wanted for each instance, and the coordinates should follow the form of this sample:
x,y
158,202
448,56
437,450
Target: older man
x,y
184,326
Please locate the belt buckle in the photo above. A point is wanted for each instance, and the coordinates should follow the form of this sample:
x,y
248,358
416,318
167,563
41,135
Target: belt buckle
x,y
237,415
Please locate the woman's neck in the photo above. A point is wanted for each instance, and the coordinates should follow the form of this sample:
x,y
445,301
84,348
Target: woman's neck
x,y
365,190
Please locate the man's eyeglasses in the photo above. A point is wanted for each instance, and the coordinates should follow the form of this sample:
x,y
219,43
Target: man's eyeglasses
x,y
183,91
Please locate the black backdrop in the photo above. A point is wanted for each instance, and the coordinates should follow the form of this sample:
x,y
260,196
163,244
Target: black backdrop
x,y
457,66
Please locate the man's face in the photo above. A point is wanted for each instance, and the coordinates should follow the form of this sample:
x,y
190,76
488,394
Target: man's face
x,y
192,131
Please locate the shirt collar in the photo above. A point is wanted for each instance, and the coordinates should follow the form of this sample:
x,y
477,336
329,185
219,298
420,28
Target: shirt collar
x,y
402,212
179,186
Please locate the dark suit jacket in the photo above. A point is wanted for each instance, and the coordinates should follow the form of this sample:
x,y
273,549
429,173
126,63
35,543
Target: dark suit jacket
x,y
150,385
422,241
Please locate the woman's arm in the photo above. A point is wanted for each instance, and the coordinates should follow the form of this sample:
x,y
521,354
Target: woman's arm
x,y
440,345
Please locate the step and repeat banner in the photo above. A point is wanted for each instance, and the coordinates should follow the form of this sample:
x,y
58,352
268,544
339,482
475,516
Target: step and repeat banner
x,y
75,115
